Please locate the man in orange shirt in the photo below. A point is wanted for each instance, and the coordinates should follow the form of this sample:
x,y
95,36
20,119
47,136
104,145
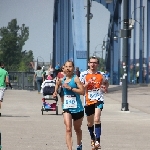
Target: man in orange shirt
x,y
95,85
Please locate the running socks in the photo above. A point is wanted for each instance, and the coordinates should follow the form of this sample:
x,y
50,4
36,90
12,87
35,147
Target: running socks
x,y
98,132
91,130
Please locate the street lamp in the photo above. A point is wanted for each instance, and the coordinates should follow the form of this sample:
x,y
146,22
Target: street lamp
x,y
89,16
104,43
38,60
98,51
105,37
115,35
51,53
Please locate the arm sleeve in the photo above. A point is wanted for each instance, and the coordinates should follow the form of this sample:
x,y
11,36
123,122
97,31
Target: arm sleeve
x,y
6,73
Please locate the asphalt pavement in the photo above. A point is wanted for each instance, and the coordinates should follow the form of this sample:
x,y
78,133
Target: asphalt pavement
x,y
23,127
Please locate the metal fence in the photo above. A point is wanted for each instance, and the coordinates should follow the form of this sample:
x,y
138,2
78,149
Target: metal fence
x,y
22,80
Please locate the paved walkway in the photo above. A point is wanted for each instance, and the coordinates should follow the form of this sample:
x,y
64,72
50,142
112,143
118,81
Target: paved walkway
x,y
24,128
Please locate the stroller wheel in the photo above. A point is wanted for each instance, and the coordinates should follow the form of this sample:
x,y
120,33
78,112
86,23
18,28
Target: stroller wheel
x,y
56,110
42,110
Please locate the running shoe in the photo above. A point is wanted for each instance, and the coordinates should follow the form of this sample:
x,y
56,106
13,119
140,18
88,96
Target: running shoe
x,y
97,145
92,143
79,147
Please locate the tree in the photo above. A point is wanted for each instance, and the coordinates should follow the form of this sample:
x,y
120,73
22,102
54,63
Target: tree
x,y
12,40
102,65
25,63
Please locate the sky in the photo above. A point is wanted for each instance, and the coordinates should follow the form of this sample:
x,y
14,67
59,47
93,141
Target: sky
x,y
38,16
98,27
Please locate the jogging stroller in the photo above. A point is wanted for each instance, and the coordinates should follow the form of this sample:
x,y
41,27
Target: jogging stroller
x,y
48,88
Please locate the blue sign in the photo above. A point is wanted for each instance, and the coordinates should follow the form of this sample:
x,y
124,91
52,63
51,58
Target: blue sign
x,y
81,54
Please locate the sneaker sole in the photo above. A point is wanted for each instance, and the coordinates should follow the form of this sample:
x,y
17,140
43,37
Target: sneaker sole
x,y
96,148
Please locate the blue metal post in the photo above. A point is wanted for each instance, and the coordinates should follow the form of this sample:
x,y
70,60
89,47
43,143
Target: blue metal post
x,y
119,40
58,43
134,44
129,46
0,141
65,31
124,106
148,41
115,55
141,46
61,32
112,63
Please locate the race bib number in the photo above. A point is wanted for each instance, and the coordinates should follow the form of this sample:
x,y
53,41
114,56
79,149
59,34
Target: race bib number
x,y
95,94
70,101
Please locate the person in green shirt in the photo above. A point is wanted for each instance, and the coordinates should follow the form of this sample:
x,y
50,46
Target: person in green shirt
x,y
3,82
39,77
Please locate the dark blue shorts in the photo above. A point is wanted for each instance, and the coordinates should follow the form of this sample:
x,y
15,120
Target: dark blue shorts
x,y
90,109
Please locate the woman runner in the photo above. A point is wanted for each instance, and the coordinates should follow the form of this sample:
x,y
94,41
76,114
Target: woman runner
x,y
72,105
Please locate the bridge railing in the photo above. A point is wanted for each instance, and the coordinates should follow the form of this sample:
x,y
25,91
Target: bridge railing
x,y
22,80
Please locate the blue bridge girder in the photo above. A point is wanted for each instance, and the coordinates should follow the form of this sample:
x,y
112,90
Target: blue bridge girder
x,y
69,38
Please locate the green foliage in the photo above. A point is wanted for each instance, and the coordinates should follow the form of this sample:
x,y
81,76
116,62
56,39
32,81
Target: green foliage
x,y
102,65
12,40
27,57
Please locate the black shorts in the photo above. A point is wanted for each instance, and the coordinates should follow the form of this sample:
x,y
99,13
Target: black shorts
x,y
90,109
75,116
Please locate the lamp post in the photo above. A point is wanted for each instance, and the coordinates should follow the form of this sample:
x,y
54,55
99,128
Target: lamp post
x,y
89,16
126,32
38,60
98,51
51,53
104,38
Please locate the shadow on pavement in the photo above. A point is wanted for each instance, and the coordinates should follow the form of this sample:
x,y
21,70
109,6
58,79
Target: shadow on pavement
x,y
53,114
119,87
13,116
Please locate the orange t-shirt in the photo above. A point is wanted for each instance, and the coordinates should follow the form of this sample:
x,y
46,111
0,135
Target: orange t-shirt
x,y
92,94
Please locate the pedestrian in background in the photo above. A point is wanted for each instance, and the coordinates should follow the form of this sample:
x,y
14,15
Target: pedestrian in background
x,y
39,78
77,72
57,69
3,82
60,76
51,70
9,84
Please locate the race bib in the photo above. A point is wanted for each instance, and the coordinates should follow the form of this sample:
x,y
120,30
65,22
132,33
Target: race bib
x,y
95,94
70,101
